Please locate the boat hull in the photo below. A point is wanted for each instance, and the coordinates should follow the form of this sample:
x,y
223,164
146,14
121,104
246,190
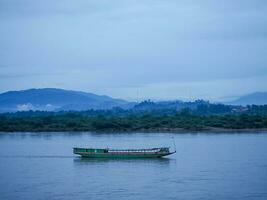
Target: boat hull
x,y
129,155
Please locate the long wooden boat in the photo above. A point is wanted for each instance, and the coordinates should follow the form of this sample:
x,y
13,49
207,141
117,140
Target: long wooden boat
x,y
123,153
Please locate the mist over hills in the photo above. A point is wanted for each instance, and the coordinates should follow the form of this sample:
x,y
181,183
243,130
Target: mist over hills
x,y
52,99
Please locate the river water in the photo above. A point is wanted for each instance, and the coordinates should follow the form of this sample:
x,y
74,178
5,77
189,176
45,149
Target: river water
x,y
206,166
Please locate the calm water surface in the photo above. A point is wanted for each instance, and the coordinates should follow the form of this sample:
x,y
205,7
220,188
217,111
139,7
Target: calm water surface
x,y
206,166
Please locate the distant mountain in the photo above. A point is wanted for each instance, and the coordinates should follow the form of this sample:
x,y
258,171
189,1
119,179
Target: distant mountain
x,y
51,99
257,98
199,107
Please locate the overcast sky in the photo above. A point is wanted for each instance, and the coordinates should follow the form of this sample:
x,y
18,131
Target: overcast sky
x,y
158,49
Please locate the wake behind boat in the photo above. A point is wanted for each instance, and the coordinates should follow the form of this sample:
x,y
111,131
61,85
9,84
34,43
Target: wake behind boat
x,y
123,153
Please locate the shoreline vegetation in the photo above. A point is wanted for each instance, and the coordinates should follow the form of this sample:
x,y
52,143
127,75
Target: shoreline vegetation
x,y
129,121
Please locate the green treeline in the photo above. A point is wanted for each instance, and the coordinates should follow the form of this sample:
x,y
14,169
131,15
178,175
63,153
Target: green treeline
x,y
127,121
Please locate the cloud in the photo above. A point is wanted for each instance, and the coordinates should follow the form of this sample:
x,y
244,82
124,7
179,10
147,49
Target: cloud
x,y
112,45
25,107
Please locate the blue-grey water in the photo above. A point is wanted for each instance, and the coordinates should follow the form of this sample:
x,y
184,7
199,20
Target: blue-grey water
x,y
206,166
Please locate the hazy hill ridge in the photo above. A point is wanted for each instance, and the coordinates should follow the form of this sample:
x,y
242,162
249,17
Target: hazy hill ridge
x,y
256,98
52,99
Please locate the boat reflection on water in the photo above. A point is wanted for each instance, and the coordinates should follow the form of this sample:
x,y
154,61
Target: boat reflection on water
x,y
92,161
